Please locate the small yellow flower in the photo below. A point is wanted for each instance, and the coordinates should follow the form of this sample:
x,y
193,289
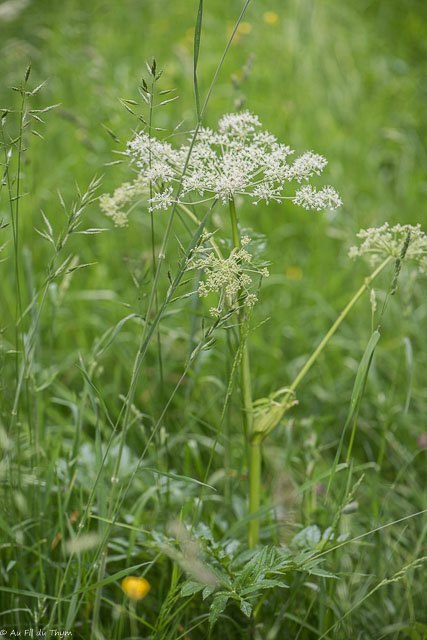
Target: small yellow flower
x,y
271,18
294,273
244,28
135,588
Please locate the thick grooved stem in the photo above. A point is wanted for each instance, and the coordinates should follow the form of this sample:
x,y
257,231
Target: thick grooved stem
x,y
254,491
247,408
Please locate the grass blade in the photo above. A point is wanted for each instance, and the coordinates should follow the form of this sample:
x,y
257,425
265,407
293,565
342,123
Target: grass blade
x,y
356,397
197,32
409,362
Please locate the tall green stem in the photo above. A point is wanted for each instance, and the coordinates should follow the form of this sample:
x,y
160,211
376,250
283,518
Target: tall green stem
x,y
247,405
268,420
234,225
254,491
245,370
337,323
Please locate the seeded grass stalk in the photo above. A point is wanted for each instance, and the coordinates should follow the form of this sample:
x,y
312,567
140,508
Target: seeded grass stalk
x,y
34,310
14,203
397,577
149,95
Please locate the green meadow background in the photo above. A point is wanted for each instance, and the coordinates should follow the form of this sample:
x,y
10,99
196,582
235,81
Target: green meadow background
x,y
345,79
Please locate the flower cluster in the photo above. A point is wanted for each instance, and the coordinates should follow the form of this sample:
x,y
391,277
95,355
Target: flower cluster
x,y
229,277
238,158
114,206
309,198
380,242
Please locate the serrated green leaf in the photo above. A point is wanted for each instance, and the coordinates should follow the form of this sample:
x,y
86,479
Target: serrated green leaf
x,y
222,576
217,607
246,607
266,583
253,568
307,538
207,591
316,571
190,588
243,557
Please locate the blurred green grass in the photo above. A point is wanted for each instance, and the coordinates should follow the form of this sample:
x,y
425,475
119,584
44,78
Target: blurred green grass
x,y
345,80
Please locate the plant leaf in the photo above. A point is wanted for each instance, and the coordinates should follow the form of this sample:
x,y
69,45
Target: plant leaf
x,y
246,607
357,393
191,587
217,607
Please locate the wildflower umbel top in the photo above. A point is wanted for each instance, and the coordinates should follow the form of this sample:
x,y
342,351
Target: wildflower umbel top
x,y
380,242
238,158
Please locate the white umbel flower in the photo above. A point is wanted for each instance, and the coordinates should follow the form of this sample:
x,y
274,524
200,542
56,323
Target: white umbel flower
x,y
308,165
161,199
267,191
114,206
236,159
380,242
309,198
238,125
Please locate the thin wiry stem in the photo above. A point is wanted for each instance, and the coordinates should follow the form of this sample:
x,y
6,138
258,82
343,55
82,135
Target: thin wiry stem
x,y
195,219
7,157
19,340
153,249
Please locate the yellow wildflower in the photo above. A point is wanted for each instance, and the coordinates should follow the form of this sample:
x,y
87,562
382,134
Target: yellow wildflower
x,y
271,18
244,28
135,588
294,272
